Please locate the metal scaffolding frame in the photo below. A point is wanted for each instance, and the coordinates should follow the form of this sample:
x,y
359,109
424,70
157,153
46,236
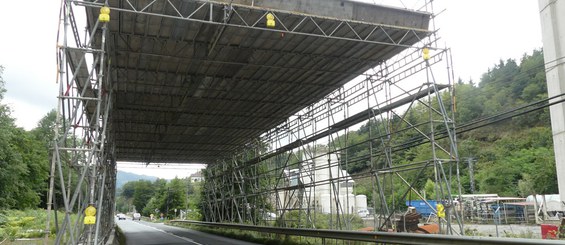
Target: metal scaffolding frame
x,y
376,34
263,173
279,171
253,177
83,166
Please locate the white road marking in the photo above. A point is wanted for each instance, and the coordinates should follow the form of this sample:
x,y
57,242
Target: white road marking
x,y
169,233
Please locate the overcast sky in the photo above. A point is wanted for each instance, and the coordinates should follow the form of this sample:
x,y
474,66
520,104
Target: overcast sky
x,y
479,32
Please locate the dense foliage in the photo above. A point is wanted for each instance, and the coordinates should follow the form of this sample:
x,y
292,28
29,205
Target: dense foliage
x,y
158,197
515,156
23,160
28,223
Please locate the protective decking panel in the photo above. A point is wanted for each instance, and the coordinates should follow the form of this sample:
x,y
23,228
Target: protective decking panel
x,y
195,90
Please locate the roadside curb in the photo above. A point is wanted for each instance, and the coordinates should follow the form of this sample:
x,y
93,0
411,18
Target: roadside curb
x,y
117,237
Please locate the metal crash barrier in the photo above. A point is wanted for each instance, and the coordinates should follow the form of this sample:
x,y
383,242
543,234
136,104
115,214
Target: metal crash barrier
x,y
381,237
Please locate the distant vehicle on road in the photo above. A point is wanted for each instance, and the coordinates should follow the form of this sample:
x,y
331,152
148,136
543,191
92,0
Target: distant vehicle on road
x,y
121,216
270,216
363,213
267,215
136,216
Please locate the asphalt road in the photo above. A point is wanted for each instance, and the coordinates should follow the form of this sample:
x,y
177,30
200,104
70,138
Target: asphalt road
x,y
141,232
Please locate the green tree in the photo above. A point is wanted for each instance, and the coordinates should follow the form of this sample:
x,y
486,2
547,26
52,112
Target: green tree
x,y
194,199
124,197
143,191
430,190
154,206
34,157
128,189
23,162
45,130
469,104
43,134
176,196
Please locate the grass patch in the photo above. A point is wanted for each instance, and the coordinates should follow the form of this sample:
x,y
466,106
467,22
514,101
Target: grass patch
x,y
26,224
37,241
22,224
473,232
522,234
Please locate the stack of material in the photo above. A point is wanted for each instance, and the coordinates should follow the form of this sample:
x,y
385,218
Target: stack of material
x,y
408,222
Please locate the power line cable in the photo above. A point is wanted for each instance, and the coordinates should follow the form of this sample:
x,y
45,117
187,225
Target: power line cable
x,y
483,122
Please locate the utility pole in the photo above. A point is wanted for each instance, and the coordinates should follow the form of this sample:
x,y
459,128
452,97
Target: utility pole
x,y
470,162
168,196
553,37
189,191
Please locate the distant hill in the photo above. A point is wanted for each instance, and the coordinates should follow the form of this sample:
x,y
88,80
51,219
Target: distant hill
x,y
124,177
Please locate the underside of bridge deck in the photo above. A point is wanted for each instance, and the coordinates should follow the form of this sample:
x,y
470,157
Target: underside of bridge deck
x,y
194,81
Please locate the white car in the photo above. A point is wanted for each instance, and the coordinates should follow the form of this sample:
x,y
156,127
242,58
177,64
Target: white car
x,y
136,216
121,216
270,216
363,213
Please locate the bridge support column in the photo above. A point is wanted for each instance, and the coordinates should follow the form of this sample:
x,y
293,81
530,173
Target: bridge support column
x,y
553,35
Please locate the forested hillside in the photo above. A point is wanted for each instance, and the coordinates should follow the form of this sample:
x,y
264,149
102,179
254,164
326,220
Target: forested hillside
x,y
512,156
124,177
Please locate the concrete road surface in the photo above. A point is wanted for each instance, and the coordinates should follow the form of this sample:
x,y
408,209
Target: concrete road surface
x,y
141,232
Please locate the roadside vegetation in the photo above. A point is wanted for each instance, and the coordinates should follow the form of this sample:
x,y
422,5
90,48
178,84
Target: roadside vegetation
x,y
170,198
24,169
29,223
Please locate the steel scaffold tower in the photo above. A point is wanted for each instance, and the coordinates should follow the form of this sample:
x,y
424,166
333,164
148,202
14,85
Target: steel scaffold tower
x,y
285,171
83,167
279,172
83,163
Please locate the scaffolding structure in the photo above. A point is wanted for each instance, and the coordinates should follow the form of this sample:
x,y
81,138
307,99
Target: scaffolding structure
x,y
276,180
255,175
83,165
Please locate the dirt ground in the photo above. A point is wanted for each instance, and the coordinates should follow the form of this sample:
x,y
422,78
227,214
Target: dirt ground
x,y
516,230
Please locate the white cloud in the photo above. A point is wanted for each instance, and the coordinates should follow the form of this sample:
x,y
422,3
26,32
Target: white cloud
x,y
27,115
482,32
27,52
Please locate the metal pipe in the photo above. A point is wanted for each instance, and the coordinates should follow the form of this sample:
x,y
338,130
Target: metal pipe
x,y
100,208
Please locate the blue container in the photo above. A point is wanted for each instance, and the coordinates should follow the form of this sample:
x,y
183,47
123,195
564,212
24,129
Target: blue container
x,y
422,207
